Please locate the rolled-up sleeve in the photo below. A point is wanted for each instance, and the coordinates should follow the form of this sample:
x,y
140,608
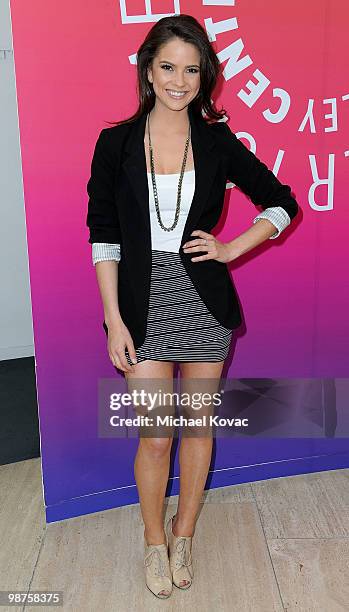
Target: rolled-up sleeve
x,y
102,251
102,215
259,183
277,216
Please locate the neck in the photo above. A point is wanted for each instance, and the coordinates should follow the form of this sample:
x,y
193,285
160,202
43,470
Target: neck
x,y
162,117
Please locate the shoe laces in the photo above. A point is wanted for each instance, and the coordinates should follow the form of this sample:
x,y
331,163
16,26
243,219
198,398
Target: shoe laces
x,y
160,565
183,554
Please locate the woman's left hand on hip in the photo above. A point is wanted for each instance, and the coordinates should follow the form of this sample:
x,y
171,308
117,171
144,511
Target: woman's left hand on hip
x,y
217,250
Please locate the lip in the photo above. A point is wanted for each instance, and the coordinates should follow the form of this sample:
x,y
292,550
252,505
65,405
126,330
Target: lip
x,y
176,97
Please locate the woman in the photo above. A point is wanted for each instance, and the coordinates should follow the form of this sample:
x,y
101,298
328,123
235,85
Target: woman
x,y
157,181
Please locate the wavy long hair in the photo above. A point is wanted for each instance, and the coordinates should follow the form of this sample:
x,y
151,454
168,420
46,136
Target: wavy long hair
x,y
187,28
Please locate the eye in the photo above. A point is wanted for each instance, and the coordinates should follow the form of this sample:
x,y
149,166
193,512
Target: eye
x,y
165,66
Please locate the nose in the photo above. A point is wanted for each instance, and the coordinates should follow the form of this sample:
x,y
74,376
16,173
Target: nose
x,y
179,80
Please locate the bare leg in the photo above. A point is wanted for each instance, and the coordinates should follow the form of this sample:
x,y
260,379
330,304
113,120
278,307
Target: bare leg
x,y
194,456
152,461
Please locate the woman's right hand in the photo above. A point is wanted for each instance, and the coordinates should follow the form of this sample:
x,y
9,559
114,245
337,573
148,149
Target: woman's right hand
x,y
118,338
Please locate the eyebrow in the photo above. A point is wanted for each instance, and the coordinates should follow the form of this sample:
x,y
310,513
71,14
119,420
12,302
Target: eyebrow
x,y
189,65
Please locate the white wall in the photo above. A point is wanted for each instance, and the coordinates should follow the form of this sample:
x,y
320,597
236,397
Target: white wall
x,y
16,329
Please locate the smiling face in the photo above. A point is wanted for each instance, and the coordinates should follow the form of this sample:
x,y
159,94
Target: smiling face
x,y
175,74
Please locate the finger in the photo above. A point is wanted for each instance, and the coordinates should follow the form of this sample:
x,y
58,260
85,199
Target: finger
x,y
201,234
202,257
116,361
191,243
118,365
131,350
200,247
124,362
120,360
112,357
200,241
197,243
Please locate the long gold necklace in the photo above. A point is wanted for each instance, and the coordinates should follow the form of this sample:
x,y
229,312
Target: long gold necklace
x,y
179,191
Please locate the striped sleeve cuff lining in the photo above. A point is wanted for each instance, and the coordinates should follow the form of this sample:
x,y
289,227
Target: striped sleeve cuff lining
x,y
277,216
103,251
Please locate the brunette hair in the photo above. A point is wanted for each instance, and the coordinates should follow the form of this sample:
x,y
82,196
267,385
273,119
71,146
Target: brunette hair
x,y
187,28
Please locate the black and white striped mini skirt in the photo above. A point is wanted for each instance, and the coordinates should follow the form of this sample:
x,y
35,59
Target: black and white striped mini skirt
x,y
179,325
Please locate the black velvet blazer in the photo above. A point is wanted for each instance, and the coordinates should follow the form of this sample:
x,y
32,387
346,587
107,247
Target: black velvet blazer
x,y
118,211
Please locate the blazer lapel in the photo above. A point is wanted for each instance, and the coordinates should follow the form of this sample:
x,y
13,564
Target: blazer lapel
x,y
205,164
206,161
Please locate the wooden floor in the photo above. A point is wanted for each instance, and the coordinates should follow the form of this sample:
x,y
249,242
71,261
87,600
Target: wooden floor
x,y
280,544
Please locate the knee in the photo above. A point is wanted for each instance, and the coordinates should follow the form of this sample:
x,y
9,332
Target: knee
x,y
156,448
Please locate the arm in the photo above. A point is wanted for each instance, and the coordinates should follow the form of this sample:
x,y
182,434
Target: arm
x,y
277,216
105,237
102,215
103,251
264,189
104,229
107,277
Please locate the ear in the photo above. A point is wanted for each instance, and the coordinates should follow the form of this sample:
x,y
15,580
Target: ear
x,y
150,74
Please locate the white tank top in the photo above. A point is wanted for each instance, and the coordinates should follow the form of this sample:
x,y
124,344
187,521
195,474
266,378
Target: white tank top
x,y
167,186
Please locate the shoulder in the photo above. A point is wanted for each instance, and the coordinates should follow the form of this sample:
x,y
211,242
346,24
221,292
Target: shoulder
x,y
222,131
110,140
228,142
111,136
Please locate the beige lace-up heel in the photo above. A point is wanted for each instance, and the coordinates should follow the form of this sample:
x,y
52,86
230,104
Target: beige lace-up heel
x,y
158,576
180,557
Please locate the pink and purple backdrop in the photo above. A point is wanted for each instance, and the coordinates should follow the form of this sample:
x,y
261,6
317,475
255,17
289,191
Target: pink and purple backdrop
x,y
287,97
